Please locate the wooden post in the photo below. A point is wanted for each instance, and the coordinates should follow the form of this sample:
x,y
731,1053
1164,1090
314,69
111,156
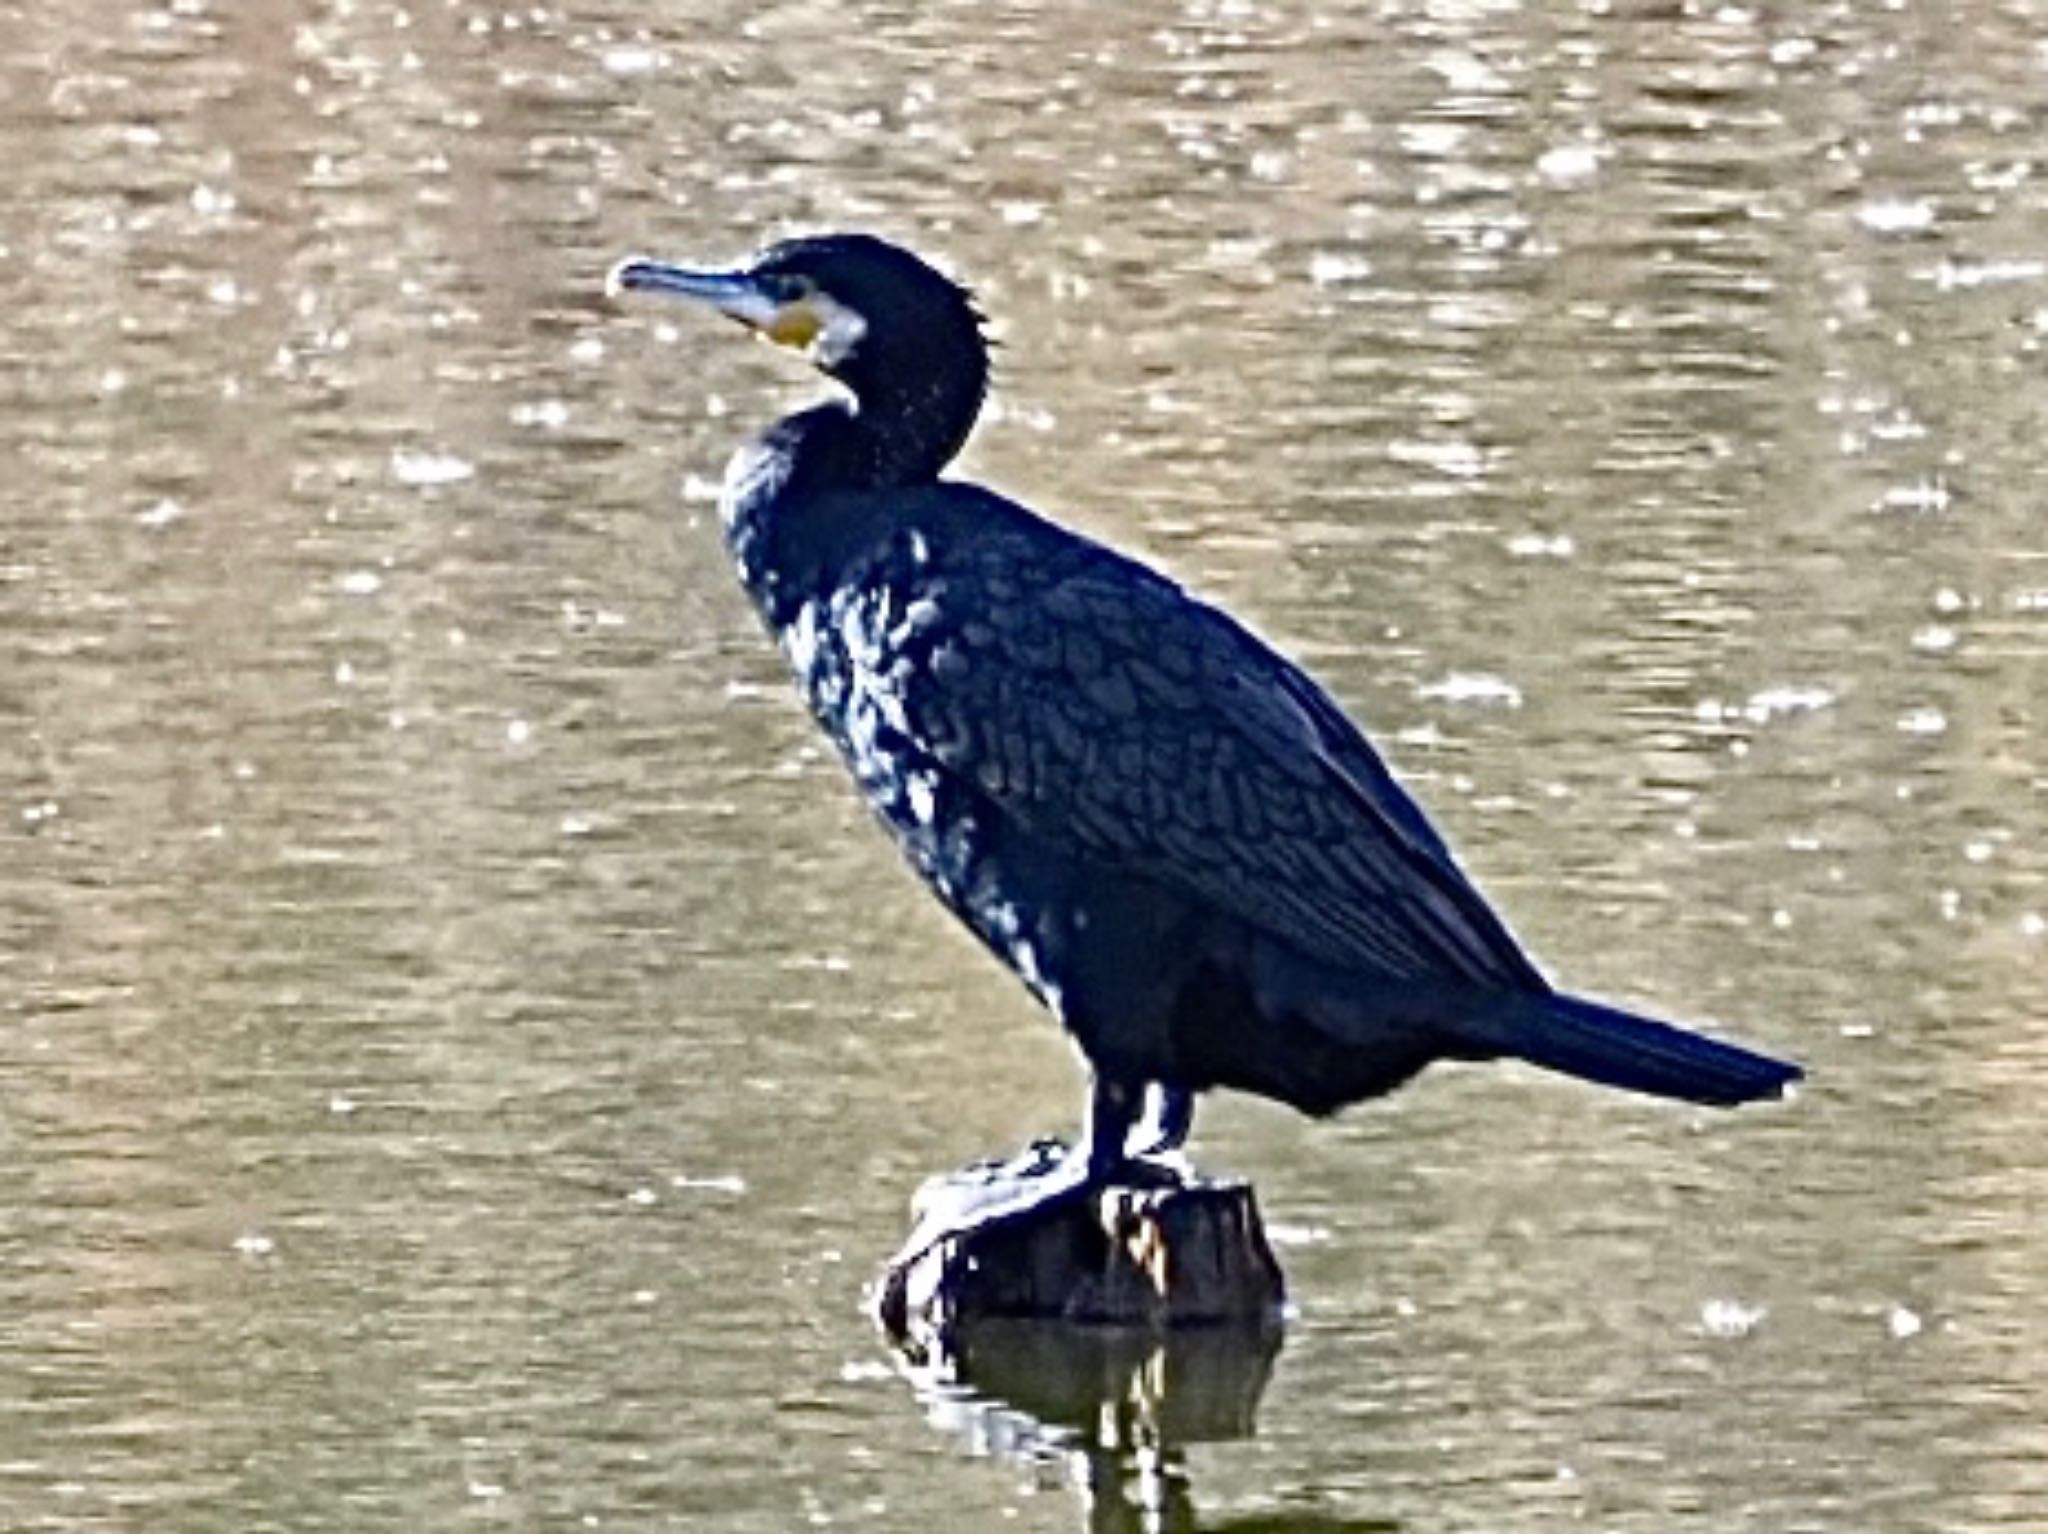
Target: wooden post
x,y
1173,1250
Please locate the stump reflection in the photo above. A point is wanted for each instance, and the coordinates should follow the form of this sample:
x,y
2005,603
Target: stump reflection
x,y
1115,1406
1101,1329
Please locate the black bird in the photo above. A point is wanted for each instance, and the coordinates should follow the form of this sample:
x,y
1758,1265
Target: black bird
x,y
1167,830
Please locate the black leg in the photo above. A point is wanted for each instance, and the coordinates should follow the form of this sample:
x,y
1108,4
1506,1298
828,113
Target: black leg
x,y
1169,1116
1113,1107
1102,1158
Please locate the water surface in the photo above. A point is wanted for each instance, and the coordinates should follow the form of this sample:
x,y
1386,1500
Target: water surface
x,y
462,1050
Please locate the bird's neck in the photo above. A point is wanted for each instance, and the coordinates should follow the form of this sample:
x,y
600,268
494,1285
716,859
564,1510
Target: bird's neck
x,y
807,495
905,432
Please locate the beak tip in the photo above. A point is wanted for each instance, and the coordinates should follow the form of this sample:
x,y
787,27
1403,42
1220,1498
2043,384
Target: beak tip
x,y
620,279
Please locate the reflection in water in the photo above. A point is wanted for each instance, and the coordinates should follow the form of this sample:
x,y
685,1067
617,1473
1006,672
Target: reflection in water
x,y
1119,1406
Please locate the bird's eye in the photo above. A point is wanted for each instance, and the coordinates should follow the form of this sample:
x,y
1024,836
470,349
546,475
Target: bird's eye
x,y
785,287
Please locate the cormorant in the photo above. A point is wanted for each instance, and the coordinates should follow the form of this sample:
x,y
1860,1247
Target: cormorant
x,y
1172,835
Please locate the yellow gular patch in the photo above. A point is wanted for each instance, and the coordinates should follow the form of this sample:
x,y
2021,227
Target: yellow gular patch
x,y
795,324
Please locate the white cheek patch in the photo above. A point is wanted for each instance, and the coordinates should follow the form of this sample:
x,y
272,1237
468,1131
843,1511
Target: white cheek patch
x,y
839,331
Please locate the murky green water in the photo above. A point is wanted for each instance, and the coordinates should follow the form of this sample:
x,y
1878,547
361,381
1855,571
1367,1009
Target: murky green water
x,y
462,1050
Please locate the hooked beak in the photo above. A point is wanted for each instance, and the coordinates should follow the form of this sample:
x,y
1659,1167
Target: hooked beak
x,y
734,294
814,323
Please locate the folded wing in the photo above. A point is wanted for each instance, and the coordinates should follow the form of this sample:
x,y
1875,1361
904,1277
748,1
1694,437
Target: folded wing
x,y
1118,717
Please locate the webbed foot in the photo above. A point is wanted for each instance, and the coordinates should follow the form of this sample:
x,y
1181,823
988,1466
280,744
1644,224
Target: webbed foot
x,y
989,1193
1121,1149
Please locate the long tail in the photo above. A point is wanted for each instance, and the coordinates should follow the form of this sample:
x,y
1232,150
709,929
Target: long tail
x,y
1618,1049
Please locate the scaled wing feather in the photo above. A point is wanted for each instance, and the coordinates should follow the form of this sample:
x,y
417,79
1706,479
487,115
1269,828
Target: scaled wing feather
x,y
1100,705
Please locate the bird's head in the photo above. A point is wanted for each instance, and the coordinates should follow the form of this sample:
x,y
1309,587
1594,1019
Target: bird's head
x,y
865,312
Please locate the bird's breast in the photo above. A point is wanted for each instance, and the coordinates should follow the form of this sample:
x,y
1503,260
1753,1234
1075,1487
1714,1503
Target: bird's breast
x,y
855,650
861,652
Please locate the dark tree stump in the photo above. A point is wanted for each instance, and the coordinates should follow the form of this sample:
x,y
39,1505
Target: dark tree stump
x,y
1170,1250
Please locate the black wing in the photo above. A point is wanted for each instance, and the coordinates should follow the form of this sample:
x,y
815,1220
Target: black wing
x,y
1104,708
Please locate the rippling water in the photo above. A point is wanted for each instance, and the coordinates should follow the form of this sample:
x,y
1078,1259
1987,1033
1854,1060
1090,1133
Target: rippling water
x,y
461,1049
